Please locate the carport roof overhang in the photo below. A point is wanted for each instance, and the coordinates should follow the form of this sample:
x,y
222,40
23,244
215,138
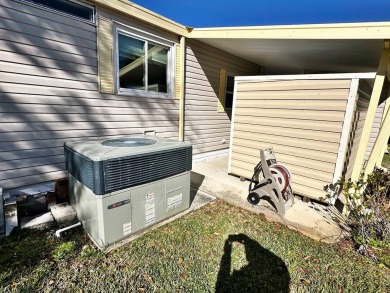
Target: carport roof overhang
x,y
350,47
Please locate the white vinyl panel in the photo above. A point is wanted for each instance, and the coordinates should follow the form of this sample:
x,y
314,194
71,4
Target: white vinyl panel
x,y
301,119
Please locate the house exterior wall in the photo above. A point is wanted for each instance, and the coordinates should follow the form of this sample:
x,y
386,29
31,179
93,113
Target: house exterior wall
x,y
206,128
49,93
301,119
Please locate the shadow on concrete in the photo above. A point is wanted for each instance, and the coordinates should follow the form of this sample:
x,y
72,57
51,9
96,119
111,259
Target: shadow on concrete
x,y
196,182
270,201
265,272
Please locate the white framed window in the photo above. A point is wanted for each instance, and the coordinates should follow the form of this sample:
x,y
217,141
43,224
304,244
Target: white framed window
x,y
229,92
72,8
144,64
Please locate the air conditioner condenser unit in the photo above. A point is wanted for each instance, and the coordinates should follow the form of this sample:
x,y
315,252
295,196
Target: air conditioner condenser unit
x,y
121,186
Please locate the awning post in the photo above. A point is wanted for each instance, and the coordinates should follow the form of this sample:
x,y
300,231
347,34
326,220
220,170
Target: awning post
x,y
380,141
375,96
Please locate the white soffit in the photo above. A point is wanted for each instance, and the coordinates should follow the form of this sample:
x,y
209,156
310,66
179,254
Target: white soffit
x,y
333,55
341,47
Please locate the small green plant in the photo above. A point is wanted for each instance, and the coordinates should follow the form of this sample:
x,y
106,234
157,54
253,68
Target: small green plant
x,y
89,251
64,250
368,207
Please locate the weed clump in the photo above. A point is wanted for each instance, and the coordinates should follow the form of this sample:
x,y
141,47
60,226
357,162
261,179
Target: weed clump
x,y
89,251
64,250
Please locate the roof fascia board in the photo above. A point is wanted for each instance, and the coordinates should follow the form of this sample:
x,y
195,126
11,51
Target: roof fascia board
x,y
367,30
366,75
143,14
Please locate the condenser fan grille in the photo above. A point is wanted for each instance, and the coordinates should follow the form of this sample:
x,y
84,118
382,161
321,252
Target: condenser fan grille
x,y
128,142
115,174
132,171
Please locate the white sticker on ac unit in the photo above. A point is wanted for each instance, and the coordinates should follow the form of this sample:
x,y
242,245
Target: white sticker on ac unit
x,y
127,228
174,202
150,209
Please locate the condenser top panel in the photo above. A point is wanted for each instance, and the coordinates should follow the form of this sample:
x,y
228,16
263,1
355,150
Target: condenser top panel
x,y
104,149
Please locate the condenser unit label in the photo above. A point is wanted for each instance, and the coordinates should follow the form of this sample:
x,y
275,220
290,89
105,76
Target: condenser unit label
x,y
174,189
126,229
118,204
174,202
150,209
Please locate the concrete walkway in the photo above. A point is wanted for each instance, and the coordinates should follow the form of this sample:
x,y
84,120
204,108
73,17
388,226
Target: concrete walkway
x,y
312,219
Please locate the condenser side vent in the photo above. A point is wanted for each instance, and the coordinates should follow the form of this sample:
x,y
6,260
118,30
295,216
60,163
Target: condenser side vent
x,y
83,169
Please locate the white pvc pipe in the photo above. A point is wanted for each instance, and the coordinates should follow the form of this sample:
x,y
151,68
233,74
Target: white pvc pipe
x,y
59,231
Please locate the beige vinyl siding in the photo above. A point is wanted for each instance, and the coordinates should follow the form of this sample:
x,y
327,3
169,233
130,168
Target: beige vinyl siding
x,y
49,94
206,128
357,127
375,129
301,119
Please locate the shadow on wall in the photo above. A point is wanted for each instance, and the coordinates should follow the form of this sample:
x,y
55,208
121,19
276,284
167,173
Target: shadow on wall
x,y
265,272
206,127
49,95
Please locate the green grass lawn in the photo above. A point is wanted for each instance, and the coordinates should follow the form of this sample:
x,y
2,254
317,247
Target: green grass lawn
x,y
219,248
386,161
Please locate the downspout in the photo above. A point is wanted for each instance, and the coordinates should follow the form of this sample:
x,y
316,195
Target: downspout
x,y
182,88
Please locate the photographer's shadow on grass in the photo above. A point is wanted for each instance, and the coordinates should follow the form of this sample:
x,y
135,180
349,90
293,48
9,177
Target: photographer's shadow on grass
x,y
265,272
